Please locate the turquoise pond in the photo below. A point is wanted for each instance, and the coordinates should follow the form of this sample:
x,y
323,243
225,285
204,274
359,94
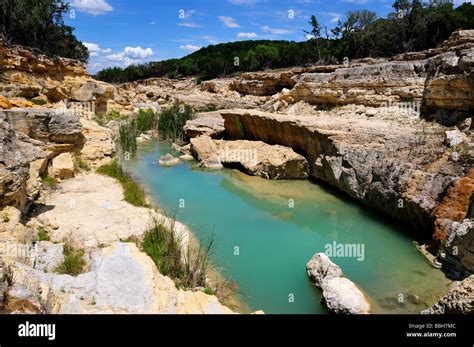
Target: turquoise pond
x,y
276,241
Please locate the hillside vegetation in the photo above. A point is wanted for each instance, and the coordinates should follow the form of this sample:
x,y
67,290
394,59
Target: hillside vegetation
x,y
412,26
39,24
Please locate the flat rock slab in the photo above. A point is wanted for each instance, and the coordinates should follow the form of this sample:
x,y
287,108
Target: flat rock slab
x,y
122,280
90,211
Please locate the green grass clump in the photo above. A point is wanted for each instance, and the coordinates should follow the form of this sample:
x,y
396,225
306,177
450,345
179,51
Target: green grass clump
x,y
81,163
133,192
172,121
73,263
43,235
39,102
49,181
188,269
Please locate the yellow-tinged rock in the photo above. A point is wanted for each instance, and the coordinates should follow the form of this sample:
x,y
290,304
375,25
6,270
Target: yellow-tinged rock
x,y
21,103
5,103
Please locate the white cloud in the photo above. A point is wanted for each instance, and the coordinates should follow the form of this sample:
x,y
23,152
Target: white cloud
x,y
116,57
276,31
131,55
189,47
95,50
138,52
246,35
152,23
229,22
94,7
189,25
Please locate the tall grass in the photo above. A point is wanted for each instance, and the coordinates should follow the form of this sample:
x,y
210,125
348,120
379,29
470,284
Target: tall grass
x,y
133,192
144,121
172,121
188,268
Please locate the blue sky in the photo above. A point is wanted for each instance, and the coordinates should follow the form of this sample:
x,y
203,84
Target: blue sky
x,y
123,32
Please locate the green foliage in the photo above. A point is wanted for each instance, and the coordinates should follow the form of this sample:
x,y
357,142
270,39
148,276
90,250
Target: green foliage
x,y
39,102
146,120
188,269
417,27
42,235
49,181
172,121
128,136
133,192
39,24
73,263
81,163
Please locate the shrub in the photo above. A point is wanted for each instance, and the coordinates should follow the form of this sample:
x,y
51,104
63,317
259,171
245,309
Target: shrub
x,y
43,235
146,120
73,263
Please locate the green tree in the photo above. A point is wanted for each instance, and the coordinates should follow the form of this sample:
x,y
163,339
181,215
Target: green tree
x,y
39,24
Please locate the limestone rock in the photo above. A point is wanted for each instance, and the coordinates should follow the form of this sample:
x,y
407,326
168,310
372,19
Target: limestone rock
x,y
17,152
90,211
62,167
379,161
260,159
341,296
205,150
60,126
454,138
168,160
320,268
459,300
5,103
122,280
204,125
99,145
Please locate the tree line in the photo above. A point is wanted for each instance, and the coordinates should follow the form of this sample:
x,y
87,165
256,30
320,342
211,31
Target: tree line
x,y
411,26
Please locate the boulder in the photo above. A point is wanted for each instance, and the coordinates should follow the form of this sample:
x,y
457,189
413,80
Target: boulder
x,y
459,299
320,267
205,150
341,296
169,160
62,167
454,138
257,158
204,125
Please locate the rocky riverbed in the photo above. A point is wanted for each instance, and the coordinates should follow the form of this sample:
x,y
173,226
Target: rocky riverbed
x,y
394,134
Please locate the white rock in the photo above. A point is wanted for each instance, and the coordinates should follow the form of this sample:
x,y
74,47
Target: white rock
x,y
168,160
454,138
62,167
341,296
320,268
